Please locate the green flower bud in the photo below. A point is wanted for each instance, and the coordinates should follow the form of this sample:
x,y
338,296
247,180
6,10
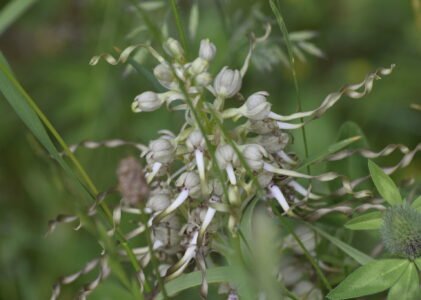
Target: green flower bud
x,y
401,231
164,75
203,79
174,49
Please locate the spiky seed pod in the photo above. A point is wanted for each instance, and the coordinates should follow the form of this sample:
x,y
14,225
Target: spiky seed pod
x,y
401,231
131,181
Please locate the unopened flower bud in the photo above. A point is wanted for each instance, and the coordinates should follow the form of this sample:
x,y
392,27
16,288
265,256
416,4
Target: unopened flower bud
x,y
263,126
226,155
191,182
159,200
253,154
164,75
167,232
199,65
274,142
174,49
257,107
203,79
215,188
207,50
147,101
162,150
195,141
227,83
264,179
131,181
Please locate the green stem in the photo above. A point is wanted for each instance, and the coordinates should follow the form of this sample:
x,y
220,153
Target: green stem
x,y
284,30
306,253
180,29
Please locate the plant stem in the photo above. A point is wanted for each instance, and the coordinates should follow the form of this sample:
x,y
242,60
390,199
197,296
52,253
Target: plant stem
x,y
180,29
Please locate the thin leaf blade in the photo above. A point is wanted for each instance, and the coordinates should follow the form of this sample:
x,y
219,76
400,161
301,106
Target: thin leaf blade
x,y
368,221
384,184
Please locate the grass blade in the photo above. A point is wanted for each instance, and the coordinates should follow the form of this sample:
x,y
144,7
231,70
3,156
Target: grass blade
x,y
12,11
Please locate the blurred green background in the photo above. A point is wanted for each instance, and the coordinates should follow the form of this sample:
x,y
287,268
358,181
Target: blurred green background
x,y
49,47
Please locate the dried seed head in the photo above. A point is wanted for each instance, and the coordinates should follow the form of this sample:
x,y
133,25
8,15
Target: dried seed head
x,y
227,83
131,181
207,50
401,231
257,107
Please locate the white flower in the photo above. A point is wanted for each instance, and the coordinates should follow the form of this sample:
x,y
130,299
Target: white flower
x,y
227,83
174,49
257,107
207,50
147,101
164,75
274,142
162,150
253,154
191,182
226,159
195,141
203,79
199,65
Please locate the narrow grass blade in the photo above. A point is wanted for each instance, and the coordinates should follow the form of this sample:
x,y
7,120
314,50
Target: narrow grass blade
x,y
12,11
193,279
369,221
351,251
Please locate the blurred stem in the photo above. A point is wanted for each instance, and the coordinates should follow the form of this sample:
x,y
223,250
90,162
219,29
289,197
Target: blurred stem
x,y
284,30
306,253
154,262
89,185
180,28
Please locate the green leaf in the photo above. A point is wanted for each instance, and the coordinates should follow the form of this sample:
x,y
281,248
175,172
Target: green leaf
x,y
359,256
384,184
193,279
12,11
407,285
368,221
372,278
418,263
417,204
329,151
